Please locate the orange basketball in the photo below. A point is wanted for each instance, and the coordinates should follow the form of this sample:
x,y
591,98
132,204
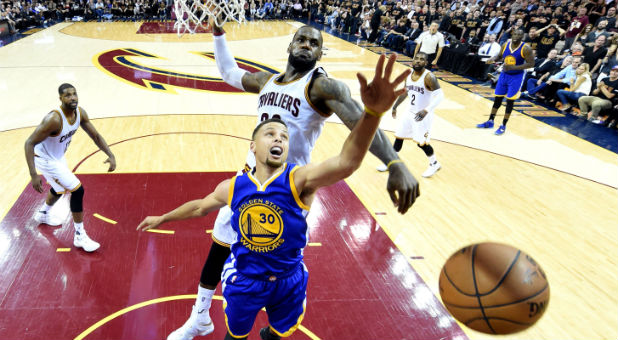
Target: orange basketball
x,y
494,288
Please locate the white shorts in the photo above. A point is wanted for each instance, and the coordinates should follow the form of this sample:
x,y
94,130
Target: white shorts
x,y
223,232
409,128
57,174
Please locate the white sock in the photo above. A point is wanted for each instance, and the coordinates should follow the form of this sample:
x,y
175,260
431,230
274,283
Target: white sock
x,y
202,303
79,227
45,208
432,159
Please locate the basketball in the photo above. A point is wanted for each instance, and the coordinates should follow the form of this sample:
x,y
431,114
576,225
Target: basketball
x,y
494,288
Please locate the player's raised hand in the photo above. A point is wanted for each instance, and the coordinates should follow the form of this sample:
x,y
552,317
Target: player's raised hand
x,y
216,23
381,93
150,222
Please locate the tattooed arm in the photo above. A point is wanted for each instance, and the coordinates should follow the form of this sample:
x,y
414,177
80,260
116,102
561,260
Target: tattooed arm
x,y
334,96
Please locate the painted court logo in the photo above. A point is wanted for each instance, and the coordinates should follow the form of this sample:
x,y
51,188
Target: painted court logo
x,y
130,65
261,226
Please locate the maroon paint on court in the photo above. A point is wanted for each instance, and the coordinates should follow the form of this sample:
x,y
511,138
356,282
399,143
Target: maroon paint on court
x,y
360,285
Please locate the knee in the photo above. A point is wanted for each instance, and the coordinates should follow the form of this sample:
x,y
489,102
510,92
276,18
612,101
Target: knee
x,y
77,200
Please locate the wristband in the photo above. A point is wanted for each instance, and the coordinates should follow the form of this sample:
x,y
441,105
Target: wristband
x,y
388,166
373,113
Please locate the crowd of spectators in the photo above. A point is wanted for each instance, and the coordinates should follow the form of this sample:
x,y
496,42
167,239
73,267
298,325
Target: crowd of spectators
x,y
575,42
23,14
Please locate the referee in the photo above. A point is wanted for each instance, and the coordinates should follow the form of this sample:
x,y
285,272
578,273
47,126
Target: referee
x,y
431,43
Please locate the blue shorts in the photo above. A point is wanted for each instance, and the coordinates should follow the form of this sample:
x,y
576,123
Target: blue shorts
x,y
284,298
509,85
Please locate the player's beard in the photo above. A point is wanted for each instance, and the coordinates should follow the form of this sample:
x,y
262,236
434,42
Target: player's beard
x,y
301,65
418,68
273,164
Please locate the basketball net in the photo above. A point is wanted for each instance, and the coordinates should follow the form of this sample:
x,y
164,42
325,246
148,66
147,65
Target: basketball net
x,y
191,14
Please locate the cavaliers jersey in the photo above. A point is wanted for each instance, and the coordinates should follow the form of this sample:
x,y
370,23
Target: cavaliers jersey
x,y
269,220
54,147
290,103
419,95
515,57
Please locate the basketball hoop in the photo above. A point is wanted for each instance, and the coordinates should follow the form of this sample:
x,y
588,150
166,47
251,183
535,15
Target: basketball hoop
x,y
191,14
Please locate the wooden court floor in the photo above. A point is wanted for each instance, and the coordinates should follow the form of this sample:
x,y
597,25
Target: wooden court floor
x,y
537,188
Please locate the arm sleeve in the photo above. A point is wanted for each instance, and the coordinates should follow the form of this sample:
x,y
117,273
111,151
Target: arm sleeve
x,y
230,72
436,99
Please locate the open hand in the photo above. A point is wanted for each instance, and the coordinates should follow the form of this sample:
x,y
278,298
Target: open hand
x,y
380,94
150,222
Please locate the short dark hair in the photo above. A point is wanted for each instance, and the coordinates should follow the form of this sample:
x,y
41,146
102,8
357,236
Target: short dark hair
x,y
270,120
64,87
424,55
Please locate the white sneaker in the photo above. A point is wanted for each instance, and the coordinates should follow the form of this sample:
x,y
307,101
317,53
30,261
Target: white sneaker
x,y
83,241
45,218
432,169
382,168
192,328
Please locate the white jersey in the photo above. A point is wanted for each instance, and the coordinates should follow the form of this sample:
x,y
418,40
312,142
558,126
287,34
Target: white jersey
x,y
419,95
420,98
290,103
54,147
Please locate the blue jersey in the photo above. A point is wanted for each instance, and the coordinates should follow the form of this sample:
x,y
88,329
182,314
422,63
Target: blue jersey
x,y
515,57
270,222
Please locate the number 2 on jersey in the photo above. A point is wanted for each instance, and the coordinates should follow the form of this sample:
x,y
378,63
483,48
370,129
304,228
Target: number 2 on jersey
x,y
265,117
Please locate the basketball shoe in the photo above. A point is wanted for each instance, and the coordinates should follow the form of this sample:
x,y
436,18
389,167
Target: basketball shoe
x,y
382,168
487,125
432,169
81,240
500,130
44,217
193,327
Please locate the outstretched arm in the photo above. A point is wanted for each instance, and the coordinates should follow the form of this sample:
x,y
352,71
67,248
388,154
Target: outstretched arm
x,y
191,209
378,97
402,186
98,140
230,72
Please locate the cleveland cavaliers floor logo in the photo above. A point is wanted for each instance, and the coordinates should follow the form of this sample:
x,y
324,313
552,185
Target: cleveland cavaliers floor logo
x,y
126,64
261,227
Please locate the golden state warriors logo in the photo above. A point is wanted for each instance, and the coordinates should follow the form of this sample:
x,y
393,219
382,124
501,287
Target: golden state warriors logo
x,y
510,60
261,225
127,65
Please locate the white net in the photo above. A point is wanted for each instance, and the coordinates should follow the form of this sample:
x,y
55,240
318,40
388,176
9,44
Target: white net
x,y
191,15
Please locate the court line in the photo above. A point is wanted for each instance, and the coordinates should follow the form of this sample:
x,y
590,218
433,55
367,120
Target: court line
x,y
63,250
123,311
102,218
161,231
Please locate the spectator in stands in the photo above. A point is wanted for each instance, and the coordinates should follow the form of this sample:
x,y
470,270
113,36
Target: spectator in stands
x,y
375,22
543,68
472,24
577,25
600,29
564,75
495,22
549,36
594,55
600,99
394,38
610,60
610,17
431,42
410,39
579,88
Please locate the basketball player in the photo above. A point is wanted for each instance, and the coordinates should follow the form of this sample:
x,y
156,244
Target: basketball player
x,y
303,97
517,58
425,95
45,150
269,205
